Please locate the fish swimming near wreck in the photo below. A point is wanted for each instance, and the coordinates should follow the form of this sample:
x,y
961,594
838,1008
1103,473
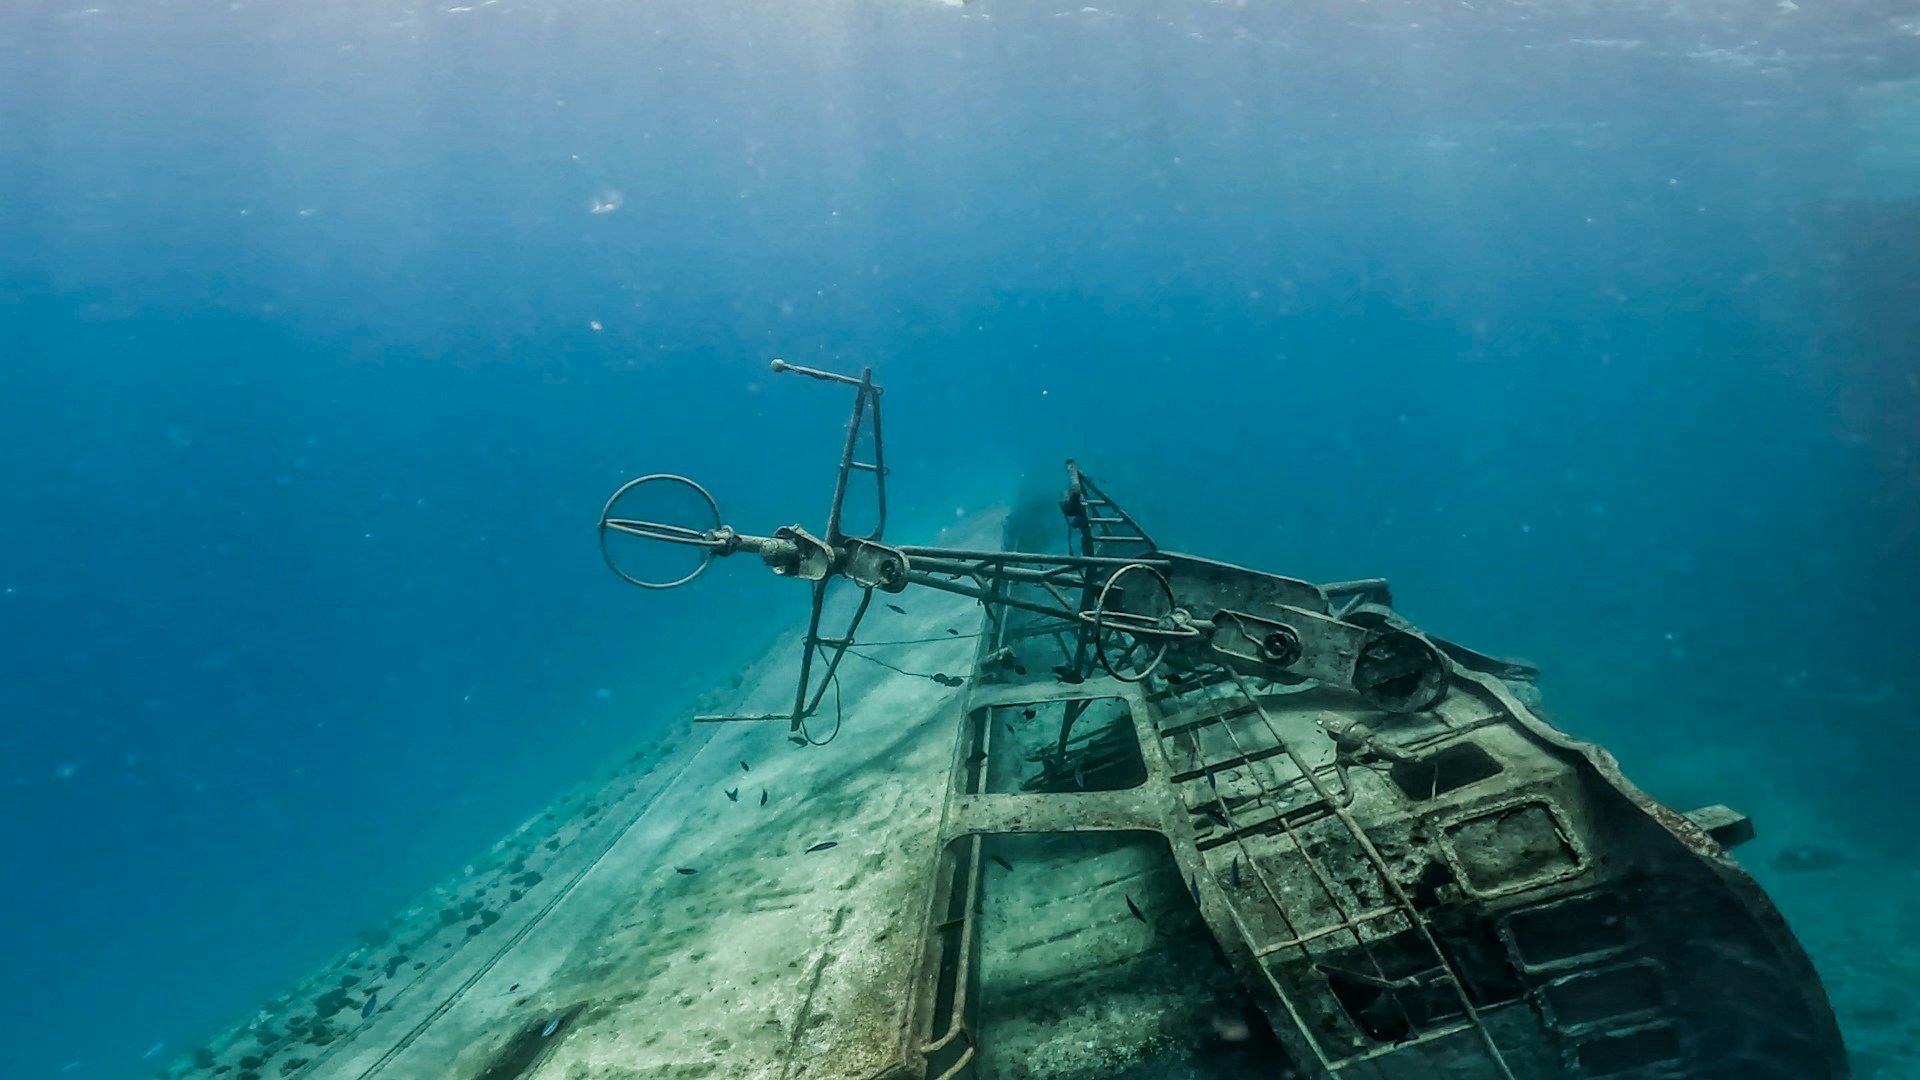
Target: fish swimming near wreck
x,y
763,798
823,845
733,794
373,1002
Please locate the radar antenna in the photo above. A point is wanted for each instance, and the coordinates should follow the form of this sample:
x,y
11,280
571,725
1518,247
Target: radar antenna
x,y
1133,608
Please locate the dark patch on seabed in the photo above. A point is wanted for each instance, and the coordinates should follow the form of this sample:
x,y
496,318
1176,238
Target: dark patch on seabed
x,y
529,1047
1232,1047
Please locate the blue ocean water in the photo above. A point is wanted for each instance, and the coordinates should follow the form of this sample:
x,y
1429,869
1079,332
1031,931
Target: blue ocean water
x,y
328,328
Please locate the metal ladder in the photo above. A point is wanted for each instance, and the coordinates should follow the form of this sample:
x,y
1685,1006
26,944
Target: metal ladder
x,y
1261,824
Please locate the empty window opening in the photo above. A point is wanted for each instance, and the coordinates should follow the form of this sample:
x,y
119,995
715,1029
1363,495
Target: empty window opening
x,y
1573,931
1091,959
1083,744
1448,769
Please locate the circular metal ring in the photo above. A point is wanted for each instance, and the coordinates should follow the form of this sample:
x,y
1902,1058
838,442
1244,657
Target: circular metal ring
x,y
649,530
1135,624
1282,647
1400,672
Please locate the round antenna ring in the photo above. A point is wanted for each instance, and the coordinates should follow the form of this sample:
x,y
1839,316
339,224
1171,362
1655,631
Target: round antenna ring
x,y
708,540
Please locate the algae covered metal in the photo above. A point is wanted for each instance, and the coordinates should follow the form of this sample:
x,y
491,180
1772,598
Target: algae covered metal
x,y
1412,873
1008,807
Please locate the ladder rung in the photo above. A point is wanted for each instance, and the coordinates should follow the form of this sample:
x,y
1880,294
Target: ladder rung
x,y
1181,776
1361,919
1211,718
1258,815
1422,1038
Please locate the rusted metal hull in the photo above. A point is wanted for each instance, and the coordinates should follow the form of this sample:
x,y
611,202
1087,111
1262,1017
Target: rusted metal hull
x,y
1044,874
1456,891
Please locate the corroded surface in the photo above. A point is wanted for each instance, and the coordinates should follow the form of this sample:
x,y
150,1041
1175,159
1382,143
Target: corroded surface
x,y
1384,856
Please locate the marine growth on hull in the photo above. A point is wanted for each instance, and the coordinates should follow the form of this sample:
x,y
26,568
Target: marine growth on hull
x,y
1042,799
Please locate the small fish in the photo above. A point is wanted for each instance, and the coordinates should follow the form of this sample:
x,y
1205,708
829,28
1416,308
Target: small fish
x,y
1215,813
763,798
1211,782
1029,713
154,1049
1079,778
1233,873
553,1025
823,845
373,1002
733,794
896,609
1135,908
1004,864
1018,670
1193,886
685,870
1066,674
976,757
796,740
952,631
1175,678
744,767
